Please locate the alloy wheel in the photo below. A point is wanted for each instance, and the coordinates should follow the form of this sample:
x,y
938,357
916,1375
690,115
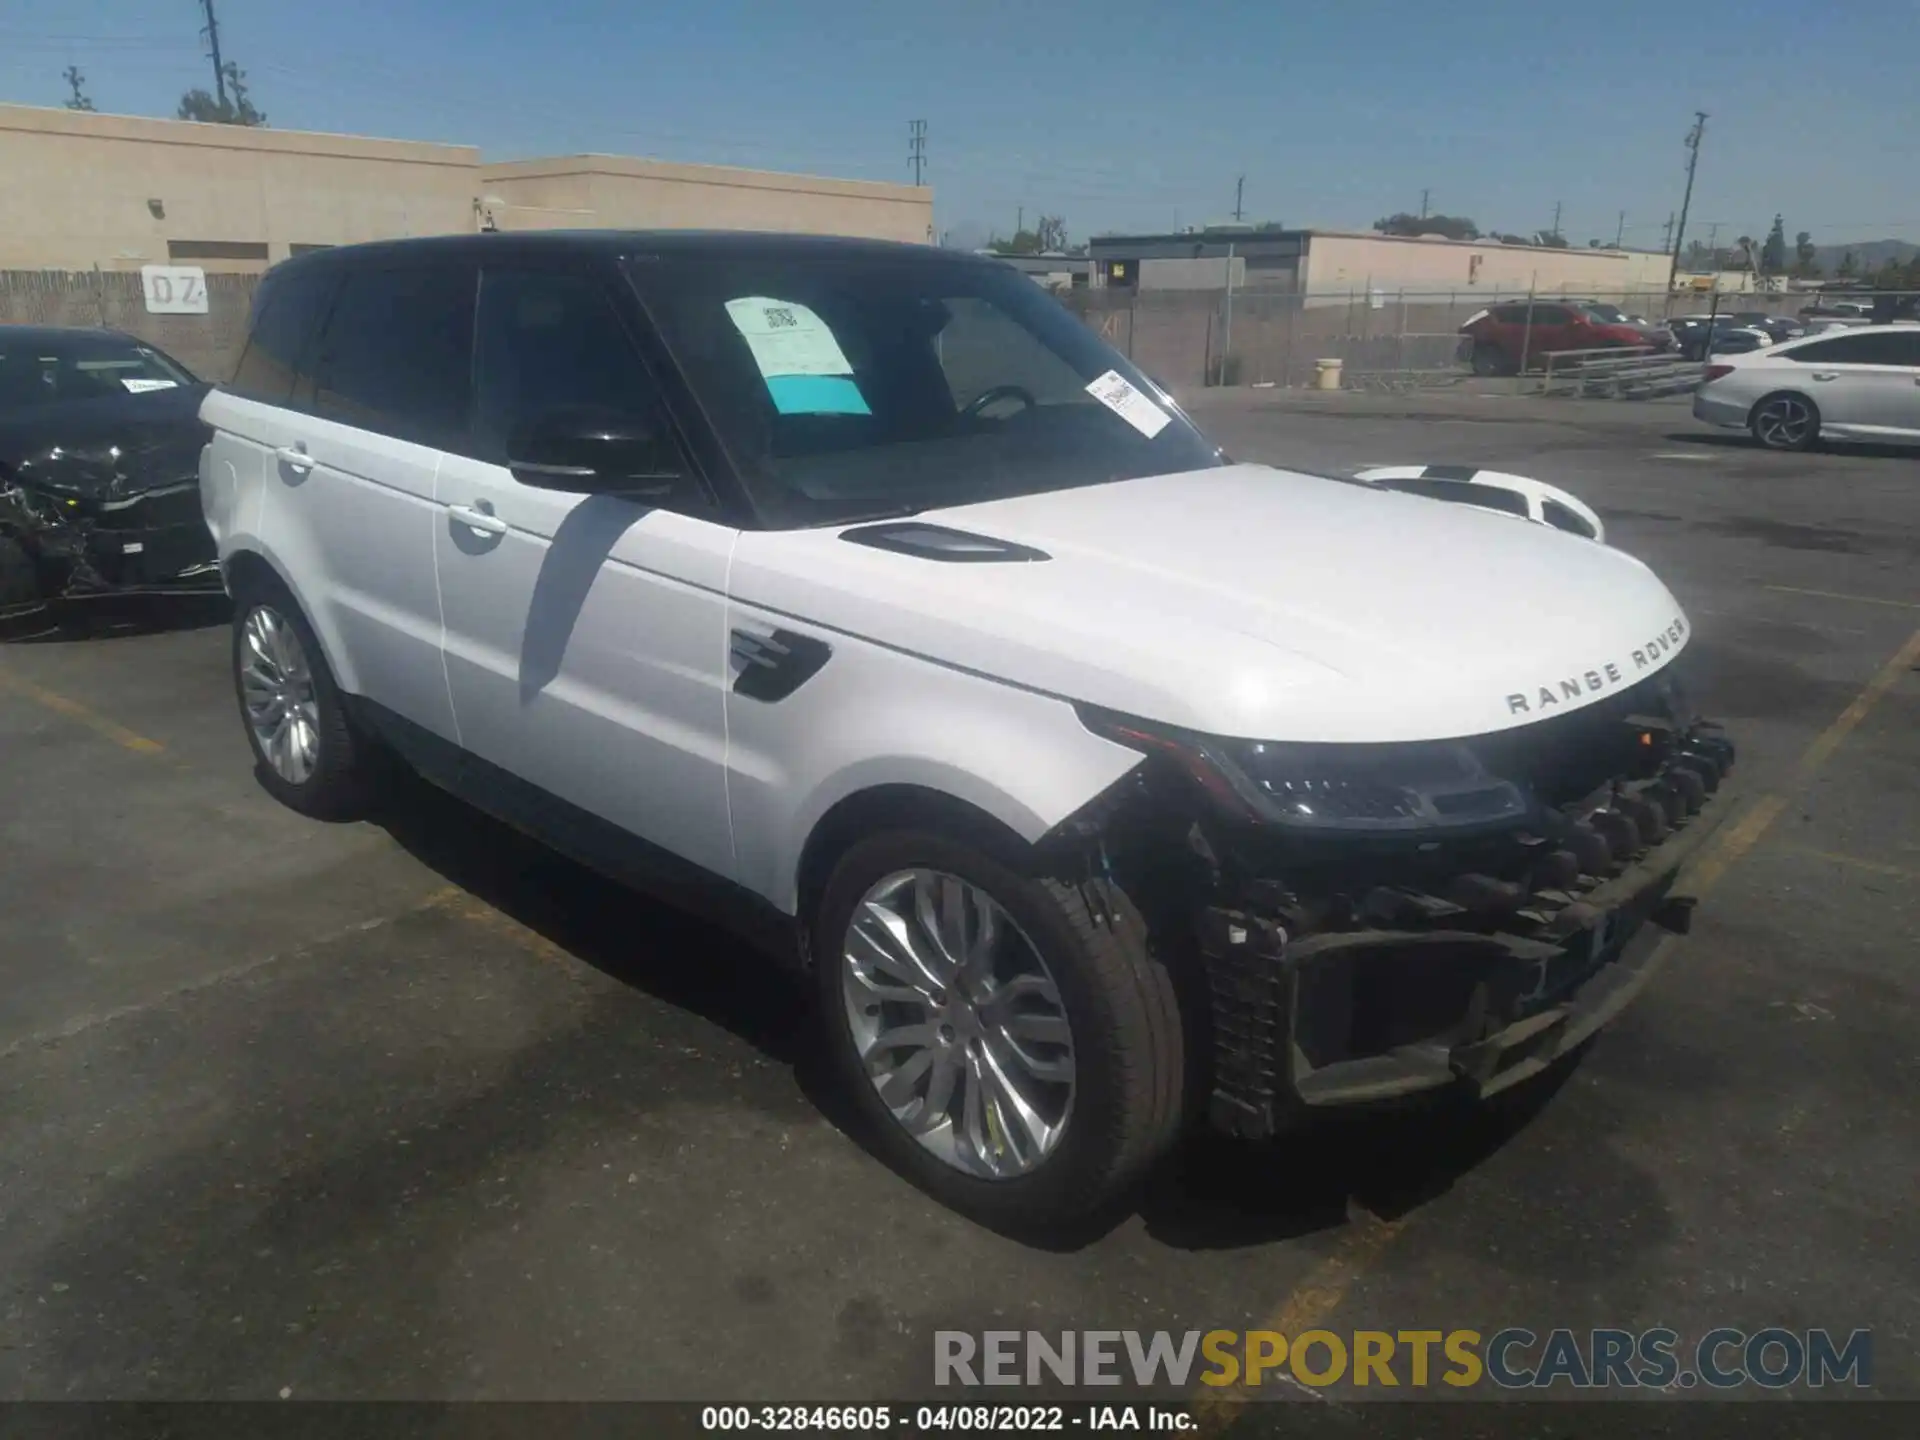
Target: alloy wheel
x,y
1784,422
958,1023
276,686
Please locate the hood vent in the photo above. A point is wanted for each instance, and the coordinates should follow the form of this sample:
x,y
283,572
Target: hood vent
x,y
937,542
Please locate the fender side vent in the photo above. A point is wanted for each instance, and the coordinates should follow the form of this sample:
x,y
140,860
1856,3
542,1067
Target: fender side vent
x,y
771,667
936,542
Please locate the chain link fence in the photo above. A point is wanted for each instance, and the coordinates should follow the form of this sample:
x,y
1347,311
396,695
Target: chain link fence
x,y
209,344
1383,338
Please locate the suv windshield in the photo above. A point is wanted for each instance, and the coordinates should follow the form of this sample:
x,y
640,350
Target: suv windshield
x,y
42,369
848,387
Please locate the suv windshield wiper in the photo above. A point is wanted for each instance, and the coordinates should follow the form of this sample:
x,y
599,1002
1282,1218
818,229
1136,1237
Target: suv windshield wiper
x,y
864,515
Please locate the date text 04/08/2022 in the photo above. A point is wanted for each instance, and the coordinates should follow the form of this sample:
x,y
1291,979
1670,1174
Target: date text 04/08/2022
x,y
935,1419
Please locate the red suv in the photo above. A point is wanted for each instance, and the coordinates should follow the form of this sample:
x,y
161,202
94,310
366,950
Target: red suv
x,y
1496,339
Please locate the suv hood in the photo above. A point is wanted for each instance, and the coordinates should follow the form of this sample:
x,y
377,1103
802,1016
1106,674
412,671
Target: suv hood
x,y
1250,602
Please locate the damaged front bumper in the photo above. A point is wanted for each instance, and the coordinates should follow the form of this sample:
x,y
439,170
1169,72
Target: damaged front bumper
x,y
154,540
1475,987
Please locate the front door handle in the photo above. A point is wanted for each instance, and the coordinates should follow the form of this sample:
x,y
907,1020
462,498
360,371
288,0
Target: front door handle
x,y
1826,374
294,457
484,521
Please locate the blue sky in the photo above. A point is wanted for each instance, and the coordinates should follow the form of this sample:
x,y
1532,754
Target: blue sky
x,y
1123,114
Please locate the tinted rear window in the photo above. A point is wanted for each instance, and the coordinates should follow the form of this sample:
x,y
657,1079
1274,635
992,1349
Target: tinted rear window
x,y
287,311
396,356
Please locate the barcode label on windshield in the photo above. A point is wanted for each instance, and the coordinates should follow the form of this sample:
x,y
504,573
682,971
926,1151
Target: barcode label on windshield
x,y
1117,393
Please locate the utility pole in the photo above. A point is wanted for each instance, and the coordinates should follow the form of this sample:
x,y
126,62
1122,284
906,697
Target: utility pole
x,y
1423,203
1556,219
1239,189
212,32
1713,244
1621,233
1693,161
1666,242
916,143
1019,220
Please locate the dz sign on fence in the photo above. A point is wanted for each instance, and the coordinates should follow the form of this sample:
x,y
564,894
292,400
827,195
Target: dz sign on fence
x,y
174,289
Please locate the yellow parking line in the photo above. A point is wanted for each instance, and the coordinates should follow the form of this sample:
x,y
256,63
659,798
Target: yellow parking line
x,y
1829,739
1315,1298
1872,867
1837,595
1367,1240
74,710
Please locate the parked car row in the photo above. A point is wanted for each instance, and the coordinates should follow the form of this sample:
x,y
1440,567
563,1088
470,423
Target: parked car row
x,y
1498,340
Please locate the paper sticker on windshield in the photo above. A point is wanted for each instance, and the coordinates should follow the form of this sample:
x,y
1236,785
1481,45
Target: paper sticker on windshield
x,y
1117,393
805,369
139,387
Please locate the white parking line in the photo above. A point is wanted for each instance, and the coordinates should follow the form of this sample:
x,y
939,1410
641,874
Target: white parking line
x,y
1679,455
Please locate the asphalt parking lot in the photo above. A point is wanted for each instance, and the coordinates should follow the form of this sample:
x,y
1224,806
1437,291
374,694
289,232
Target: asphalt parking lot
x,y
412,1109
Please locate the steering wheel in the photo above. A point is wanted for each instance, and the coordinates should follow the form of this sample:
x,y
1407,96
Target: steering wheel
x,y
977,406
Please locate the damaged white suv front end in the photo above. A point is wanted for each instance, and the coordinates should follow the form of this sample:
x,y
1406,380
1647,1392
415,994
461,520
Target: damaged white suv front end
x,y
1409,785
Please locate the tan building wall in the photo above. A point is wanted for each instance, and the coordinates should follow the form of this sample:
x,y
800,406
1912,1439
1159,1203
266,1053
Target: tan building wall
x,y
79,190
119,191
1340,261
616,192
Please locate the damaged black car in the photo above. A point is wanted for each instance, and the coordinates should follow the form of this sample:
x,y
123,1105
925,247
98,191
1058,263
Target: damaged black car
x,y
100,440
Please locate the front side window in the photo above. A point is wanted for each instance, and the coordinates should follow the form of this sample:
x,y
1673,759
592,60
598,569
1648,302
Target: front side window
x,y
847,388
549,340
397,354
1881,349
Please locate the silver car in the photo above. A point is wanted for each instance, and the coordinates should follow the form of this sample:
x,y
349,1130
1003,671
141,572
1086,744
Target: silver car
x,y
1859,384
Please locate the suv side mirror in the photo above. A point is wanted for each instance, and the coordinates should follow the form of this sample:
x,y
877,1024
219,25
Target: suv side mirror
x,y
598,452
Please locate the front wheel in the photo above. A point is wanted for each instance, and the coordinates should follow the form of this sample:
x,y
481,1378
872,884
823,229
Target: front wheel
x,y
305,749
1785,422
1491,360
1010,1039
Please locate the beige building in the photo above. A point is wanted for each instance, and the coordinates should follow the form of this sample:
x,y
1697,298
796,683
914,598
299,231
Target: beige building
x,y
79,190
1363,261
1337,264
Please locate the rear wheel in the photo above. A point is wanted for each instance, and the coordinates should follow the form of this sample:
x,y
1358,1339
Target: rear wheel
x,y
1785,421
1011,1041
305,749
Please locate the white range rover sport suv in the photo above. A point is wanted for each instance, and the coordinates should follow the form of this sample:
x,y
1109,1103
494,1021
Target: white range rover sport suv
x,y
860,596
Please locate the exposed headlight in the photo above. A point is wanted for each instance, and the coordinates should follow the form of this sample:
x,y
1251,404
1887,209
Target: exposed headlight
x,y
1376,788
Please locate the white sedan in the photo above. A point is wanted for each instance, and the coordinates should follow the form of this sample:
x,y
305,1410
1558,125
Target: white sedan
x,y
1860,384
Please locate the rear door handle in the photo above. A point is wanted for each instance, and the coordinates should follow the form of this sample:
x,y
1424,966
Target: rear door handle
x,y
481,520
294,457
1826,374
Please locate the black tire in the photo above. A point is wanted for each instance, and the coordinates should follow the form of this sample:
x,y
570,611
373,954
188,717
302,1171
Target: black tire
x,y
1491,360
1119,1001
1779,431
339,786
19,577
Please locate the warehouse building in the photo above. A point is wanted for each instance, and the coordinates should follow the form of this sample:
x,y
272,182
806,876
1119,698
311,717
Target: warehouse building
x,y
118,192
1343,262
